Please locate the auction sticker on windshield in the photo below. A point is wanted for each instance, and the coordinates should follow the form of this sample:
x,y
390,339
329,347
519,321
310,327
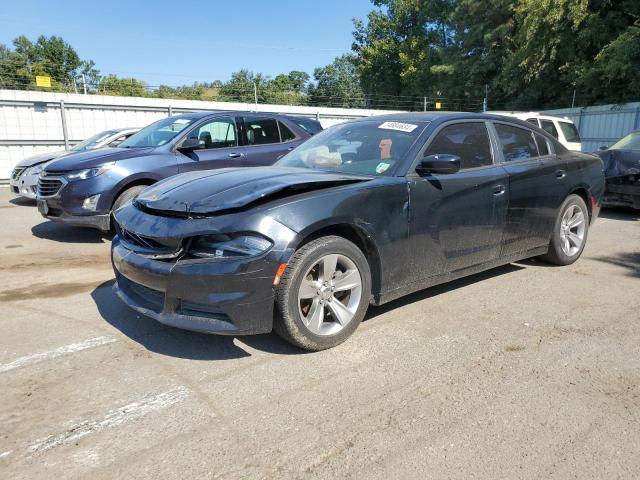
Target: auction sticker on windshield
x,y
399,126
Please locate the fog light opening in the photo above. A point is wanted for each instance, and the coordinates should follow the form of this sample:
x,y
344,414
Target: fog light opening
x,y
279,272
91,203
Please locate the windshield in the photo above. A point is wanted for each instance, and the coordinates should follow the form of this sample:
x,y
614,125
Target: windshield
x,y
569,131
370,147
158,133
630,142
92,142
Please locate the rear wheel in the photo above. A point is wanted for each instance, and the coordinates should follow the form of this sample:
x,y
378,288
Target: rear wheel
x,y
323,294
570,232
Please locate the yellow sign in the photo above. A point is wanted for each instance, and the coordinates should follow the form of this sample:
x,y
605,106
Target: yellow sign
x,y
438,105
43,81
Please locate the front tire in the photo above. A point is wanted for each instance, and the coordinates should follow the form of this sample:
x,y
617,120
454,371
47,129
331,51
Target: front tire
x,y
323,294
569,233
124,198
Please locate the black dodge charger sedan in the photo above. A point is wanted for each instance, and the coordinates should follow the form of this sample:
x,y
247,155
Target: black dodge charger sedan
x,y
362,213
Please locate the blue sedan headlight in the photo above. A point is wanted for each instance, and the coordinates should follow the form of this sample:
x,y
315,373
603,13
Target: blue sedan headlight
x,y
89,172
229,246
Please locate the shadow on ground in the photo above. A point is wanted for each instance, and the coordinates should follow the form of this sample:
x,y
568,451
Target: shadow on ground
x,y
23,202
628,260
620,213
178,343
440,289
56,232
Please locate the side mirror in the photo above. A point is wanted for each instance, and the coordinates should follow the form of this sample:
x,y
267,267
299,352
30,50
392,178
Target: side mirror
x,y
191,144
604,147
440,163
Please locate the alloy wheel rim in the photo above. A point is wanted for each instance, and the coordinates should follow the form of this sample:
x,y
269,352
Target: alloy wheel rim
x,y
572,230
329,294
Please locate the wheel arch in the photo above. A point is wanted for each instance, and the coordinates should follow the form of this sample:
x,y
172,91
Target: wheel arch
x,y
358,236
583,192
145,181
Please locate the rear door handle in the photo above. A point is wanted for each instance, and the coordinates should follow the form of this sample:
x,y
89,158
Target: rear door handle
x,y
560,174
498,190
236,155
290,148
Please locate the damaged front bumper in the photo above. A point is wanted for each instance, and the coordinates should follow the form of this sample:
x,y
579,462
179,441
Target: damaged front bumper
x,y
622,192
231,297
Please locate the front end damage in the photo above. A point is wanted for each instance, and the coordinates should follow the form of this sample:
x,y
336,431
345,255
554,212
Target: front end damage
x,y
622,175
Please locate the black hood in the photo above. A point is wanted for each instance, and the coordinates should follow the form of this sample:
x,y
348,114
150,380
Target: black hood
x,y
214,191
95,158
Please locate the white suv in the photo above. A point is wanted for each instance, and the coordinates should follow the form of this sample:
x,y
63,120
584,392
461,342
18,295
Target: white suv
x,y
560,127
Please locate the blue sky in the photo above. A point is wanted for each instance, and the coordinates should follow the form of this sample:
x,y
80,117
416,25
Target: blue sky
x,y
179,42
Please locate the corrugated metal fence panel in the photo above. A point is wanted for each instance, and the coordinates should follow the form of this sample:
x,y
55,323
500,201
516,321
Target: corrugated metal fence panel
x,y
30,122
602,125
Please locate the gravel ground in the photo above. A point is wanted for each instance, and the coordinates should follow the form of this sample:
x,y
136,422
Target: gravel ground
x,y
525,371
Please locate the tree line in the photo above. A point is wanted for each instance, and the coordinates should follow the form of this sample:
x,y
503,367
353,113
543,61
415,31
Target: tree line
x,y
411,55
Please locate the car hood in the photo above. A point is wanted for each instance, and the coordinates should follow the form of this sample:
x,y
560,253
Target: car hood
x,y
619,163
41,158
225,190
95,158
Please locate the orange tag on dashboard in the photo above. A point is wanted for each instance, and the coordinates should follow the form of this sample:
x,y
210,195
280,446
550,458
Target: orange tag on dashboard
x,y
385,148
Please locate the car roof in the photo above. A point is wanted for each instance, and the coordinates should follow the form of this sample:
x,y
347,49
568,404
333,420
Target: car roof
x,y
211,113
525,115
437,117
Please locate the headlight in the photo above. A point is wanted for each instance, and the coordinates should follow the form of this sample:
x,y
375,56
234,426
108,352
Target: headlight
x,y
89,172
229,246
34,170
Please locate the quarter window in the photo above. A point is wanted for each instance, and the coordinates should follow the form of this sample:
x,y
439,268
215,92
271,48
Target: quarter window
x,y
286,135
517,143
469,141
549,127
543,148
261,130
218,133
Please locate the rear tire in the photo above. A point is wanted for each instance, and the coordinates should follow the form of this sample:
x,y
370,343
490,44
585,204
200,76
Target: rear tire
x,y
323,294
569,232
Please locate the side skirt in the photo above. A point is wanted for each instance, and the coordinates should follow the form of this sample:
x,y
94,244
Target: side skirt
x,y
448,277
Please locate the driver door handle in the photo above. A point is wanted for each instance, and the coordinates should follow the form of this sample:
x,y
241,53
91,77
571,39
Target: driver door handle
x,y
560,174
236,155
498,190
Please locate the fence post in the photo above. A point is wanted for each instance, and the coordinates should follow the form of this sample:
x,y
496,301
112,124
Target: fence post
x,y
64,126
170,111
637,119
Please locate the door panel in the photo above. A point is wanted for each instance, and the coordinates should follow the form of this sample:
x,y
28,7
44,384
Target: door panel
x,y
457,220
536,189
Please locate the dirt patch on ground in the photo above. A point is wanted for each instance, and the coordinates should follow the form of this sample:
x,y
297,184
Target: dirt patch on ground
x,y
44,290
30,262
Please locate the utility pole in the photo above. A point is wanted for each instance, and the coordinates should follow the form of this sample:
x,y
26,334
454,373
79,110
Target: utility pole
x,y
485,102
255,94
424,100
573,101
84,84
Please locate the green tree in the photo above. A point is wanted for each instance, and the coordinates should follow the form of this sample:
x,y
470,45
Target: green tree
x,y
114,85
337,84
50,56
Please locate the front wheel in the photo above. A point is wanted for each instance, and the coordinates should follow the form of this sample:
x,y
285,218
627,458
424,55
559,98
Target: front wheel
x,y
323,294
570,232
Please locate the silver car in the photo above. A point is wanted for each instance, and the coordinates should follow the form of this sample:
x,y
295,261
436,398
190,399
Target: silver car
x,y
24,177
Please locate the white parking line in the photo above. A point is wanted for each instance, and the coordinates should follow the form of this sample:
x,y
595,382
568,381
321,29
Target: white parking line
x,y
113,418
39,357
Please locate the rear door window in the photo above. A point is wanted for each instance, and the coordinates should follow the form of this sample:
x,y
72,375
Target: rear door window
x,y
261,130
517,143
469,141
286,135
549,127
534,121
543,147
569,131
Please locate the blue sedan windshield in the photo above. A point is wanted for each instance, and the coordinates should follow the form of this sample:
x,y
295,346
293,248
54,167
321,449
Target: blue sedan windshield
x,y
369,147
157,133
